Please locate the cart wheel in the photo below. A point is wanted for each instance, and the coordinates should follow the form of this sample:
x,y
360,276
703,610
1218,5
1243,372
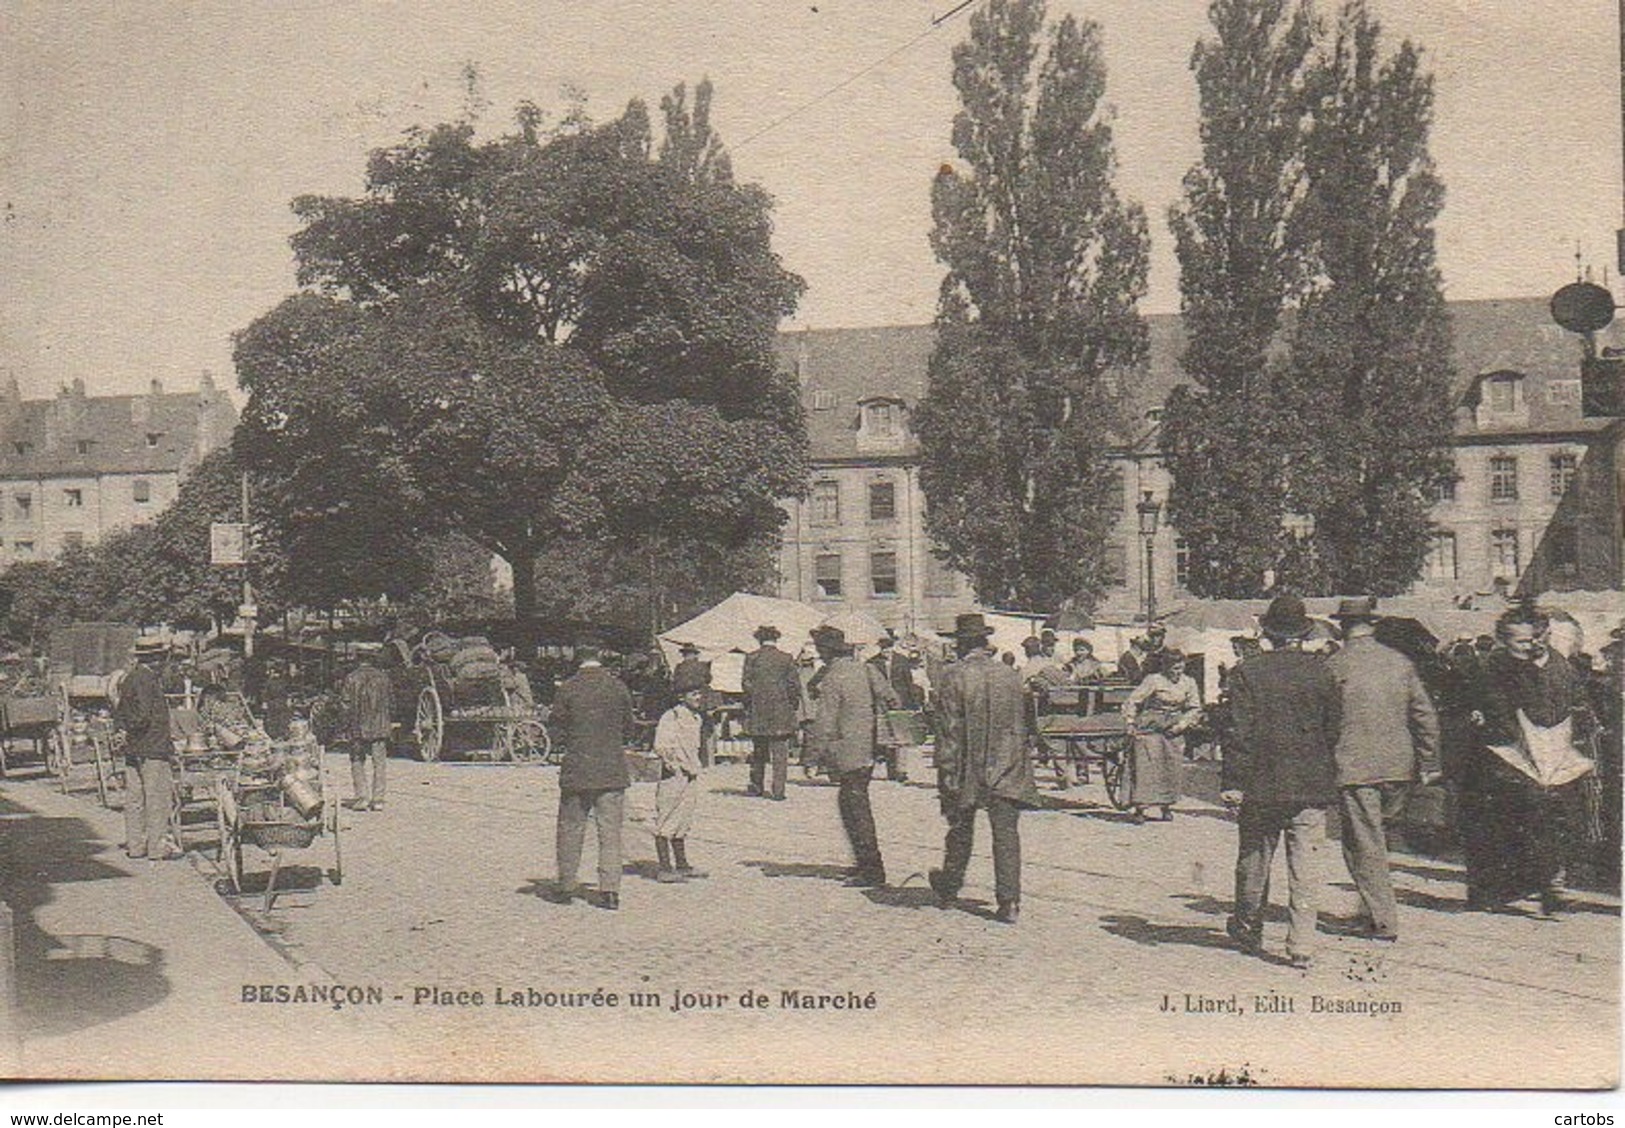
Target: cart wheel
x,y
336,874
430,726
60,759
1115,773
102,772
234,861
530,742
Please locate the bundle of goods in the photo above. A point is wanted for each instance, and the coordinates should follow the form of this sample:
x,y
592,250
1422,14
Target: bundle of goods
x,y
475,660
281,788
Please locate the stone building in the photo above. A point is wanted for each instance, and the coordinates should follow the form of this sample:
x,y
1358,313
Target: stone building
x,y
1536,501
77,467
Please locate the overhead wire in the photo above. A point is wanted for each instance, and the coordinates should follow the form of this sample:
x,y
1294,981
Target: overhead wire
x,y
936,22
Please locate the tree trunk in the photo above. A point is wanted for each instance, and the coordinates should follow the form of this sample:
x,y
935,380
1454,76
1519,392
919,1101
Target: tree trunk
x,y
523,562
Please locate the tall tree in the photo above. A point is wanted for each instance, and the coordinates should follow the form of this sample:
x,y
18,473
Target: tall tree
x,y
1045,267
559,333
1369,385
1238,234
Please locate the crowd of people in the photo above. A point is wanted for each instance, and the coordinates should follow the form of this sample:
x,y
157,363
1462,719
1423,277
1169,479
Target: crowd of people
x,y
1522,735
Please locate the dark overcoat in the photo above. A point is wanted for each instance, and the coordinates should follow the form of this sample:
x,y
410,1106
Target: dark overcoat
x,y
1286,713
772,687
592,717
143,715
982,735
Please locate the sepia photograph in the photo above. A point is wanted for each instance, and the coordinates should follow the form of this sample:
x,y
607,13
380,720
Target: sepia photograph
x,y
849,543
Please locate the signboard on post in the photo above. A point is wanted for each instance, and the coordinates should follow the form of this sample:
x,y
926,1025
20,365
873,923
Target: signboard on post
x,y
228,542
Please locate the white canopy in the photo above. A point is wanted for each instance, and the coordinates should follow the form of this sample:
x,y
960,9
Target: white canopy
x,y
730,628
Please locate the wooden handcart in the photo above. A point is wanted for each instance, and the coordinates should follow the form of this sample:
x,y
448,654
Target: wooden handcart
x,y
86,662
277,799
1082,727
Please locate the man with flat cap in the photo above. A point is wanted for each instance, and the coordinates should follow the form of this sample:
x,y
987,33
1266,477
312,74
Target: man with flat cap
x,y
842,742
1279,774
1388,739
982,765
772,689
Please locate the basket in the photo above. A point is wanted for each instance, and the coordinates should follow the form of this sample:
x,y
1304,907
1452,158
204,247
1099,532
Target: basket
x,y
645,767
281,835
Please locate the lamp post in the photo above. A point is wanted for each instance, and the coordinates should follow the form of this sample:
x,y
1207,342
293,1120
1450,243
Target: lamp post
x,y
1149,510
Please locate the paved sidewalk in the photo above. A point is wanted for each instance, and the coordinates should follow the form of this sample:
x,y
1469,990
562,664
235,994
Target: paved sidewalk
x,y
125,968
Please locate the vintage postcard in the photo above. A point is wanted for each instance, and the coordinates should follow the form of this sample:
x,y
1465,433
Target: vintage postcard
x,y
1004,542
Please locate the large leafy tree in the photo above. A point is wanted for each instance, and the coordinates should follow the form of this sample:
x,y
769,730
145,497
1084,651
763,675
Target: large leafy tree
x,y
1045,267
1369,383
1238,233
560,333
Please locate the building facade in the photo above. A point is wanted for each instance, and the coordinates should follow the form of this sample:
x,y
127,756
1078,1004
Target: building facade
x,y
1536,504
77,467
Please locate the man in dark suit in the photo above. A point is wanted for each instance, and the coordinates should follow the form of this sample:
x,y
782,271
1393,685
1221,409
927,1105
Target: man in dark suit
x,y
982,764
592,718
893,670
1286,712
142,715
772,689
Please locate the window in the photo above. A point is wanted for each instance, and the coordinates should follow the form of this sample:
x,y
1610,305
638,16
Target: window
x,y
1563,393
1503,478
141,491
22,449
73,498
1504,396
882,419
1564,469
71,541
25,548
940,580
1504,554
152,439
826,503
882,501
1182,562
1441,558
1563,548
827,575
82,446
1444,491
823,401
883,573
25,505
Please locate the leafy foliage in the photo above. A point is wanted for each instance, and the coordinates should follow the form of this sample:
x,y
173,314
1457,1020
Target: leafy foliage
x,y
1241,245
1316,196
1046,265
560,334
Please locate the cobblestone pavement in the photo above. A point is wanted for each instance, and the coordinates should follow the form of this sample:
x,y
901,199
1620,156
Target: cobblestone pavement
x,y
1119,923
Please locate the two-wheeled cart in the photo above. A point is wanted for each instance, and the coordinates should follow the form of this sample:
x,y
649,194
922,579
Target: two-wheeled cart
x,y
278,799
1080,728
485,703
86,662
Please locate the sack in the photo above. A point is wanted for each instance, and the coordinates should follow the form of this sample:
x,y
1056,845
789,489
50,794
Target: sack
x,y
481,671
481,655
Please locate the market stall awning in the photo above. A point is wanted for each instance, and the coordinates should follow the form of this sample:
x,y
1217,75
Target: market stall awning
x,y
731,626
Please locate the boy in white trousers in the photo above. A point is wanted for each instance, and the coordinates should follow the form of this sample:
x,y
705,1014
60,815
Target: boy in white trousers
x,y
677,742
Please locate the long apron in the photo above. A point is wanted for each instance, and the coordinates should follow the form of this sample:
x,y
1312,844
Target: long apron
x,y
1154,762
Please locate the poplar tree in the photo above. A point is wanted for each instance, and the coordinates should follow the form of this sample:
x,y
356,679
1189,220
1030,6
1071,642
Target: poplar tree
x,y
1046,265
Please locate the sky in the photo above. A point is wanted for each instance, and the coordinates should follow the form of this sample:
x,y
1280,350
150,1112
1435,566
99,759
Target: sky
x,y
149,148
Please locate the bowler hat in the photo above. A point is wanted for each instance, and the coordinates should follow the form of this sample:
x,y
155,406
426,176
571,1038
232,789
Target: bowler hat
x,y
970,625
767,632
833,638
1360,609
1286,618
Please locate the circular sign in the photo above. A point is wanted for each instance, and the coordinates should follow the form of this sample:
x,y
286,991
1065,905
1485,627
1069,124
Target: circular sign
x,y
1583,307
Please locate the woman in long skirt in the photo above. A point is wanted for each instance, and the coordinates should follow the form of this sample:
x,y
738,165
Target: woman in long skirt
x,y
1158,712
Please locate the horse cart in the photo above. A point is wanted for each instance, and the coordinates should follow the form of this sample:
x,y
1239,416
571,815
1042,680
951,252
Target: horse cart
x,y
275,797
1080,728
471,702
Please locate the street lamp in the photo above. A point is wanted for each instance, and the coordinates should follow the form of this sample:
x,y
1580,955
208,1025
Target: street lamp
x,y
1149,510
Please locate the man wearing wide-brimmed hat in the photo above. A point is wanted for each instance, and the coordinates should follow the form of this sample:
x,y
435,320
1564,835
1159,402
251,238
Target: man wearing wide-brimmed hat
x,y
842,741
1278,770
1389,737
772,689
142,715
982,764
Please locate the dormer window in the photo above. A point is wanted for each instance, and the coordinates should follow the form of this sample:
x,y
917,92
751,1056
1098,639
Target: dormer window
x,y
880,425
1503,394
